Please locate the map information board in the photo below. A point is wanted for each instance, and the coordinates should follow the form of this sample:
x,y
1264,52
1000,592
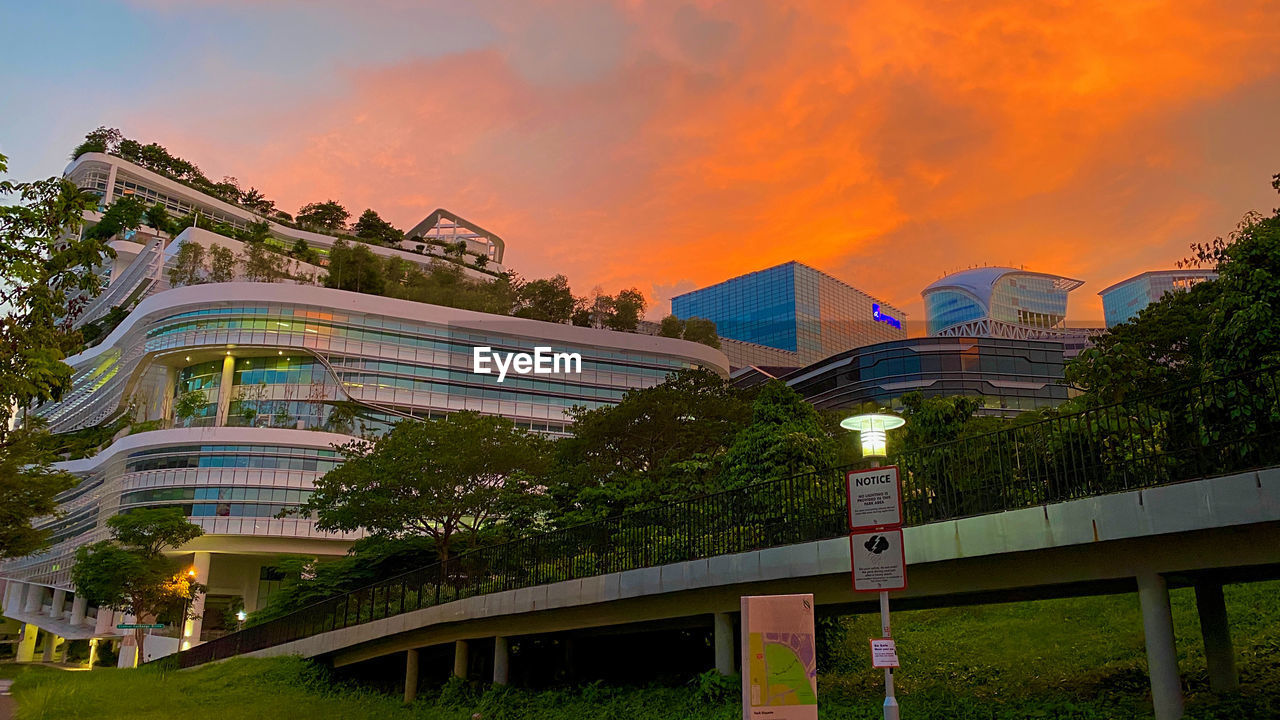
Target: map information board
x,y
779,658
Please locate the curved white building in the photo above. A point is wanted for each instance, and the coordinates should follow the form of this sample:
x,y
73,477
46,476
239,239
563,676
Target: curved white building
x,y
237,393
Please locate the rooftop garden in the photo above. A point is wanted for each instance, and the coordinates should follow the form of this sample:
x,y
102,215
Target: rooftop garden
x,y
328,217
354,267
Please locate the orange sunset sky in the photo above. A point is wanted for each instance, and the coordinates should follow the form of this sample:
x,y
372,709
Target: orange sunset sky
x,y
669,145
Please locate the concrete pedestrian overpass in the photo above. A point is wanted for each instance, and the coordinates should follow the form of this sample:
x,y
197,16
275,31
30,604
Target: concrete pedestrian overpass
x,y
1200,533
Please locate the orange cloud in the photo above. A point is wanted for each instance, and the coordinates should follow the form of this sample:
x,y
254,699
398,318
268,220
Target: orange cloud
x,y
669,145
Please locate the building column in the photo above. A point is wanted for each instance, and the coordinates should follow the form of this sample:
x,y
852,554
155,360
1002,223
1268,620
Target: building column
x,y
110,194
59,602
35,598
78,608
224,389
1162,655
460,659
93,652
1218,652
501,661
50,640
194,625
104,623
26,651
13,590
723,624
410,675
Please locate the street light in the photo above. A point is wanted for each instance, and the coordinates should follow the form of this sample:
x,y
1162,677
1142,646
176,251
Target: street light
x,y
872,429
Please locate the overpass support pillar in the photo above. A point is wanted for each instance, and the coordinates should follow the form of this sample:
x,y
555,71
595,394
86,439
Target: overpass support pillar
x,y
501,661
410,675
35,598
79,606
1162,655
461,659
26,650
50,641
1218,652
723,623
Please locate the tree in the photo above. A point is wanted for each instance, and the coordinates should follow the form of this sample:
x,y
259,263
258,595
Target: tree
x,y
546,299
370,226
354,267
102,140
260,264
1243,332
302,251
49,272
130,572
28,488
158,217
433,478
658,444
222,264
671,327
254,232
786,437
188,265
123,215
328,215
594,311
257,202
701,330
695,329
1161,347
628,307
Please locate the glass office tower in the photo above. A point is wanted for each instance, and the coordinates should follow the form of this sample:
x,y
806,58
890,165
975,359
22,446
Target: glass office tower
x,y
1124,300
796,308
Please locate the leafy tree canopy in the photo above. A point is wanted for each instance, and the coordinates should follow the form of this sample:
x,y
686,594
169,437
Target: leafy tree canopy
x,y
130,572
434,478
546,299
786,437
328,215
371,226
658,444
28,485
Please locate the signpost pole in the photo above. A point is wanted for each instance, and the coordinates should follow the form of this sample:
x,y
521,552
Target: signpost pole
x,y
890,701
875,509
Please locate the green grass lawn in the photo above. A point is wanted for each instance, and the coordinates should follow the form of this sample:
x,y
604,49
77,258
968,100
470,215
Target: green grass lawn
x,y
1072,659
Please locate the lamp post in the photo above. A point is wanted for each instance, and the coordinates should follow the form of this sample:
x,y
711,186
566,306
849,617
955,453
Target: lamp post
x,y
873,429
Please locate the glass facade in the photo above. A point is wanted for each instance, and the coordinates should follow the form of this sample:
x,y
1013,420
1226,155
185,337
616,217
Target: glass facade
x,y
998,302
793,307
945,308
1010,376
1124,300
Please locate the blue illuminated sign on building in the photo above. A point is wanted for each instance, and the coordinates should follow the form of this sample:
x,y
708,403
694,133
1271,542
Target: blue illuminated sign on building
x,y
881,317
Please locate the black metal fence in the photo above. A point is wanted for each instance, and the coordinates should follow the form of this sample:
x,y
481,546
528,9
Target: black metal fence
x,y
1217,427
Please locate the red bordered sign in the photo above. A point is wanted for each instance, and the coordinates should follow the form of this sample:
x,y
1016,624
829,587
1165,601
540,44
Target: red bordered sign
x,y
875,498
879,561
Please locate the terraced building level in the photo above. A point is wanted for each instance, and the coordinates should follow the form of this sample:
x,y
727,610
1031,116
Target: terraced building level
x,y
236,393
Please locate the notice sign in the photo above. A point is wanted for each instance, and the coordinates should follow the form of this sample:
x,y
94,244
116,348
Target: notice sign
x,y
879,561
883,653
875,498
779,661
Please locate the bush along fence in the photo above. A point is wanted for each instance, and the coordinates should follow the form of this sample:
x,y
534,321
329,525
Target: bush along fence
x,y
1217,427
